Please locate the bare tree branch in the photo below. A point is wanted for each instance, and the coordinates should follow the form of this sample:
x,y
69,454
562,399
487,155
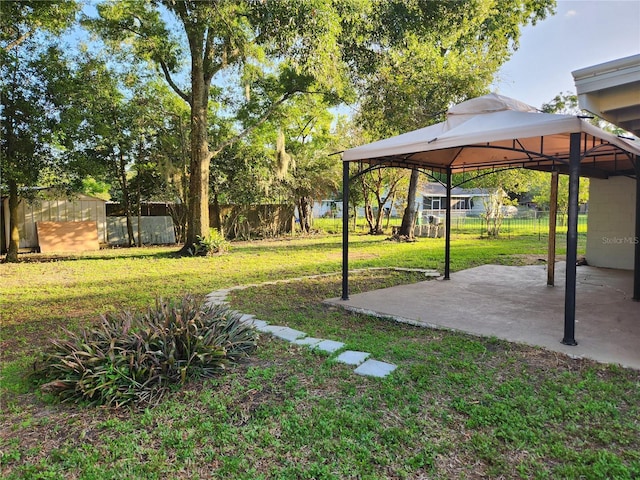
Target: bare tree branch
x,y
18,40
176,88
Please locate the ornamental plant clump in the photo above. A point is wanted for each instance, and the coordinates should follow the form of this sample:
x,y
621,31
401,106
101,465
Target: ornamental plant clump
x,y
215,244
136,358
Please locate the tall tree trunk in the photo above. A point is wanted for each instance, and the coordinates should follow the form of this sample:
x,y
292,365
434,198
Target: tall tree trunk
x,y
368,211
14,233
304,210
198,216
217,216
139,218
355,215
408,218
379,214
126,200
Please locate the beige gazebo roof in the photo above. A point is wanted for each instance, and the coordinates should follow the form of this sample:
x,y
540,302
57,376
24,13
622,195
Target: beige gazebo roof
x,y
494,131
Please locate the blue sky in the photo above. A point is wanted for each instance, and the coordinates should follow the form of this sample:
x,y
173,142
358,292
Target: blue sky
x,y
581,33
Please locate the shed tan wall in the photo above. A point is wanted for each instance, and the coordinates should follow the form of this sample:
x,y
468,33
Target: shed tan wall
x,y
56,237
611,231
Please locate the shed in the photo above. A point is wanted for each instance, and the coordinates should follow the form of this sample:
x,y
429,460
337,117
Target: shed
x,y
44,208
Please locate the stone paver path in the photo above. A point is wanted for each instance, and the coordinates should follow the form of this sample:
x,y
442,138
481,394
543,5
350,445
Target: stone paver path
x,y
366,366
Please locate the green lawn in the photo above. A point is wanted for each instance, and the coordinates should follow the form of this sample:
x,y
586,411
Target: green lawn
x,y
456,407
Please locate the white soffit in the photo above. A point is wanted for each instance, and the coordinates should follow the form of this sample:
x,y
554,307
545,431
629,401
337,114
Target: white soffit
x,y
611,90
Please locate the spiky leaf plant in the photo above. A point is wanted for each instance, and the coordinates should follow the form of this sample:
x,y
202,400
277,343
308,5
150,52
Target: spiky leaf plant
x,y
135,358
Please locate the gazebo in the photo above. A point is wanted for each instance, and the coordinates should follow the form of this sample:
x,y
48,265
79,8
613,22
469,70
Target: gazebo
x,y
496,132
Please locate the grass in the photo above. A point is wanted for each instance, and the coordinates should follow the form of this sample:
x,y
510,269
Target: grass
x,y
456,407
48,295
511,226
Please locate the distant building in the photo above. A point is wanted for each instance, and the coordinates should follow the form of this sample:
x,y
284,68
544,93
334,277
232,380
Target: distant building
x,y
465,202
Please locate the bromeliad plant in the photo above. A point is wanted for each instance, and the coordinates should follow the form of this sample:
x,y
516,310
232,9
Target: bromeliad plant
x,y
136,358
214,244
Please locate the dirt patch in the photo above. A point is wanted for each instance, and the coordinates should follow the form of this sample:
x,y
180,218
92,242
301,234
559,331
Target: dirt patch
x,y
534,258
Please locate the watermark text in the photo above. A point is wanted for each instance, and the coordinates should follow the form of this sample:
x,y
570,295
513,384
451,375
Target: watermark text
x,y
620,240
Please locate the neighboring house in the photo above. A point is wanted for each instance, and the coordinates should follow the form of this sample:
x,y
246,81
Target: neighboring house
x,y
431,201
611,91
465,202
327,209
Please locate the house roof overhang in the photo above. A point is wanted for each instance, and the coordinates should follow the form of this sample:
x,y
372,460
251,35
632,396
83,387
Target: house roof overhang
x,y
611,91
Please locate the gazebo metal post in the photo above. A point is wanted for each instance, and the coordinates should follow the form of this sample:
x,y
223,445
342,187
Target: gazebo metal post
x,y
636,267
551,248
572,241
447,228
345,230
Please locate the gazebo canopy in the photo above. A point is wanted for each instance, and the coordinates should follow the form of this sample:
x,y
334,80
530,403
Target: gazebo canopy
x,y
495,131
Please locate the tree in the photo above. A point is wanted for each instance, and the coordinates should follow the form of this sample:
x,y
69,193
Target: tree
x,y
300,38
438,53
305,169
410,212
380,185
23,19
494,213
37,121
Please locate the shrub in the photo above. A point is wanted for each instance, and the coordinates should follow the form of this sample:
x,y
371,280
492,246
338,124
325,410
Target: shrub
x,y
136,358
214,244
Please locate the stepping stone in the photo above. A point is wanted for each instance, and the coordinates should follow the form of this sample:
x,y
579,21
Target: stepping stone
x,y
257,324
289,334
219,294
285,333
351,357
268,328
329,346
215,301
309,341
374,368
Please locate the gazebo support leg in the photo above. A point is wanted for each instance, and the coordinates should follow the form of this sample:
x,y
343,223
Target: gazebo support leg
x,y
345,230
572,241
447,229
551,248
636,267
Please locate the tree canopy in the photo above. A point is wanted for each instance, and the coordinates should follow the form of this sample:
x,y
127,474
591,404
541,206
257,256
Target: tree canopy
x,y
38,120
251,87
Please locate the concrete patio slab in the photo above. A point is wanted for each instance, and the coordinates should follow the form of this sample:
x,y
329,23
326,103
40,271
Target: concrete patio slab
x,y
515,304
375,368
352,357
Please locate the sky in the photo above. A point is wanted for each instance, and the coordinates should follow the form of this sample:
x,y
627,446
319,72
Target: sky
x,y
582,33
